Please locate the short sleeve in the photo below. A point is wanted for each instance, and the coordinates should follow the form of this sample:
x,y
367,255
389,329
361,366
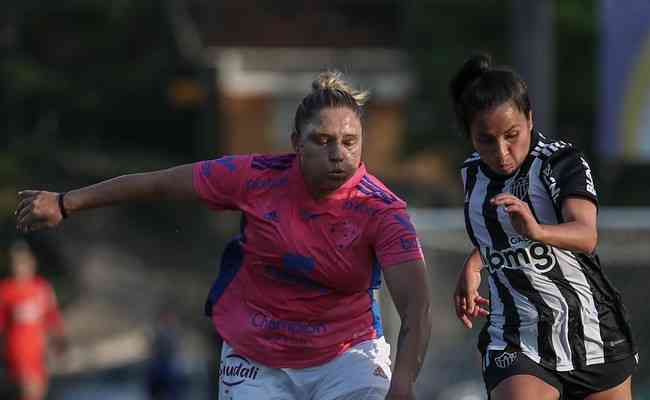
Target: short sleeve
x,y
566,174
396,240
219,182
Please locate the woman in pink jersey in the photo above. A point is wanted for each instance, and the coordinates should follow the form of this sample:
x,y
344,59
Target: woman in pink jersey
x,y
294,301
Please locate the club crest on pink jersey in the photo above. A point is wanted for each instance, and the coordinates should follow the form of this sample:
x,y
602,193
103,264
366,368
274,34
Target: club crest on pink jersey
x,y
344,233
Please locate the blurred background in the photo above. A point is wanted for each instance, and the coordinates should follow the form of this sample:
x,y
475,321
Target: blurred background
x,y
92,89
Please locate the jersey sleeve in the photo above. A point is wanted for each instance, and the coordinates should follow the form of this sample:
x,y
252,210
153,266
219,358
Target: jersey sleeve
x,y
396,240
219,182
566,174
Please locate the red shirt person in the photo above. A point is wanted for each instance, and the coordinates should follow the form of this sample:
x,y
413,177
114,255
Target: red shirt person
x,y
28,313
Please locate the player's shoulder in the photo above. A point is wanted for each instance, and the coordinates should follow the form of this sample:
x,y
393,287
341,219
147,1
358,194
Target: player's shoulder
x,y
272,162
268,172
548,149
269,165
225,164
374,193
248,164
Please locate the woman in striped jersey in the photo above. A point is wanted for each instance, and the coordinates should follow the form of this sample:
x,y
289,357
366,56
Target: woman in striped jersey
x,y
556,327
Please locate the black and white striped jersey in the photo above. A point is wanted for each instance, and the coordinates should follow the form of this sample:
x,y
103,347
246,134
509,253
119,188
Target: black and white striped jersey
x,y
555,306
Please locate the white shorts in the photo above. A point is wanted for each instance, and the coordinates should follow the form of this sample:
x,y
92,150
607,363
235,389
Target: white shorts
x,y
363,372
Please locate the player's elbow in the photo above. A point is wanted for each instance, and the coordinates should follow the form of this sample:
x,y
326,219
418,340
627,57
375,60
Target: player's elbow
x,y
590,242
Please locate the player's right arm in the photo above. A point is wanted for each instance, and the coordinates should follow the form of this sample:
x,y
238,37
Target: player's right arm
x,y
467,300
218,183
40,209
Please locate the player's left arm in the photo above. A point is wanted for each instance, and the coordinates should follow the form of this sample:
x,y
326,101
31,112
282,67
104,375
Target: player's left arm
x,y
577,232
409,287
567,176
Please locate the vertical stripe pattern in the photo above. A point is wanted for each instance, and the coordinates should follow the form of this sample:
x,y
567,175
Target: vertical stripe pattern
x,y
554,305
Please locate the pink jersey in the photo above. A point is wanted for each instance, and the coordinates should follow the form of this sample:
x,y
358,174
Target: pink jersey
x,y
295,289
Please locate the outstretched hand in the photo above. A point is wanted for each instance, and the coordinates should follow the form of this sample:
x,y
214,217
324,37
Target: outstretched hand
x,y
467,301
37,210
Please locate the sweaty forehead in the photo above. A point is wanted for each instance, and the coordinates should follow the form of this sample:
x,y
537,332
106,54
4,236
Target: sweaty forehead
x,y
340,120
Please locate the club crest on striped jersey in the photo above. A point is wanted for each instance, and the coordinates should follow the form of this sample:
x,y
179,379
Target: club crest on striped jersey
x,y
519,187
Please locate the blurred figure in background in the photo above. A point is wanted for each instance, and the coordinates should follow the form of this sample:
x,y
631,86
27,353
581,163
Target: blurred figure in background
x,y
28,315
166,377
557,326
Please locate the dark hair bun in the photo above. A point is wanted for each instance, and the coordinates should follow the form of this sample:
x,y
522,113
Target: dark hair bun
x,y
473,68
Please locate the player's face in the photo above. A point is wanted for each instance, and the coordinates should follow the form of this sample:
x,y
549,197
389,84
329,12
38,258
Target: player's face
x,y
329,149
23,265
502,137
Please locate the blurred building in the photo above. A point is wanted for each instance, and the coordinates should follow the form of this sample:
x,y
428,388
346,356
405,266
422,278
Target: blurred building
x,y
261,88
267,53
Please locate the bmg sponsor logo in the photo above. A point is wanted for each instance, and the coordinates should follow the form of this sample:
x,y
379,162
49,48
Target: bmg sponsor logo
x,y
536,255
235,370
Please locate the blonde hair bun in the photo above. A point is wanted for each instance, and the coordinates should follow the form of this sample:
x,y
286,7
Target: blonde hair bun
x,y
332,80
